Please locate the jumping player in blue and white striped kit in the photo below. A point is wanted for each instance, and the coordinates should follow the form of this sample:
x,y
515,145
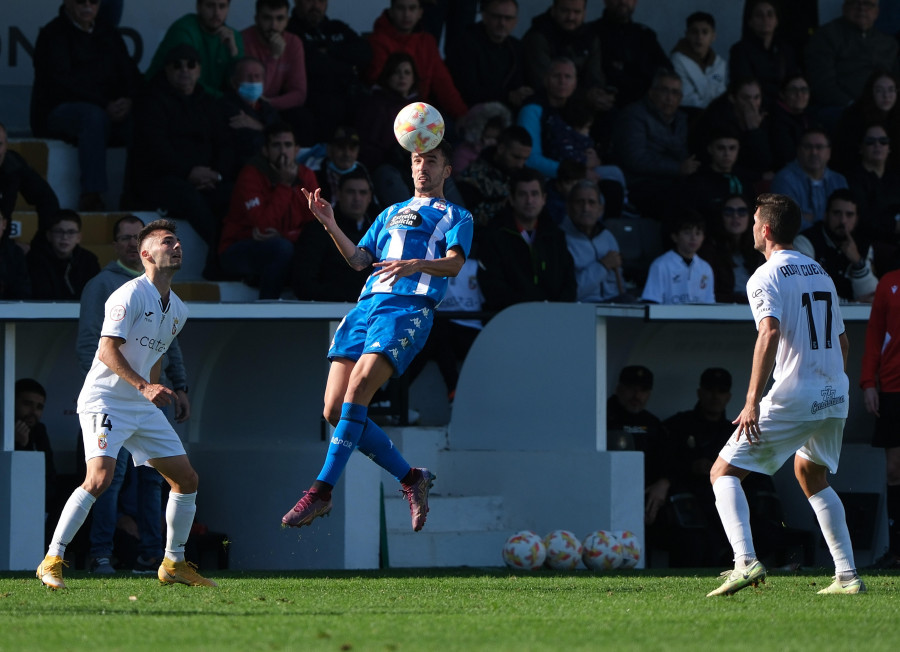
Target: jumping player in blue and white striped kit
x,y
414,247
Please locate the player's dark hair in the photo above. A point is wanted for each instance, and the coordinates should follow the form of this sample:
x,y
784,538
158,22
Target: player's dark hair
x,y
781,214
272,4
446,149
527,175
700,17
156,225
126,219
841,194
64,214
30,385
515,134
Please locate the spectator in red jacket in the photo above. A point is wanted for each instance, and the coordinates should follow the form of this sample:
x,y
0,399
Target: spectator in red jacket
x,y
398,30
267,211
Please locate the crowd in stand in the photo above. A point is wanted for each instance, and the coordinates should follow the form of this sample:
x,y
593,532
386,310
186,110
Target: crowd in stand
x,y
561,138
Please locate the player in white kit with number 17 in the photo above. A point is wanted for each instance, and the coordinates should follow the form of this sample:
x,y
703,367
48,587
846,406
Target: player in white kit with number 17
x,y
800,342
119,403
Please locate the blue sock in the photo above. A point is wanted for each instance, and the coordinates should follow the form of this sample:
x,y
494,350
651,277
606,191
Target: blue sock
x,y
378,447
343,441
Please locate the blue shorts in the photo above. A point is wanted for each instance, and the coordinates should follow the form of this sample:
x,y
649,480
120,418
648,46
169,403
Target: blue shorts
x,y
393,325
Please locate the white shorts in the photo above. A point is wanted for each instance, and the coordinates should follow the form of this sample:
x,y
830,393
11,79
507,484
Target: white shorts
x,y
147,432
816,441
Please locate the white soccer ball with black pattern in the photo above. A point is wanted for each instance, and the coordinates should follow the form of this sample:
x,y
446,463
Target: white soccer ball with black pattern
x,y
602,551
419,127
631,548
563,550
524,551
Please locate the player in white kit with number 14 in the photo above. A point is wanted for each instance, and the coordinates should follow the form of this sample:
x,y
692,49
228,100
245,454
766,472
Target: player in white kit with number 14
x,y
119,404
800,342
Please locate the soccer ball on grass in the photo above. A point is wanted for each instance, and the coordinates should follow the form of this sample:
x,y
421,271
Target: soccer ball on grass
x,y
602,551
631,548
524,550
563,550
419,127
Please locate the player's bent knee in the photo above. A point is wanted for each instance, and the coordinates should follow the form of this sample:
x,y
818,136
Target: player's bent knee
x,y
332,416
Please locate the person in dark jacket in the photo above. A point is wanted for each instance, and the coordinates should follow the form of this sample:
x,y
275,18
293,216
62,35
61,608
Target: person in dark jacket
x,y
740,111
489,68
561,32
631,52
31,434
762,53
182,160
247,111
523,255
84,85
789,118
335,57
17,177
58,265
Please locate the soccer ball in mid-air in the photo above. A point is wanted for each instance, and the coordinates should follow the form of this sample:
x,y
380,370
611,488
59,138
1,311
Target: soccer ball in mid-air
x,y
419,127
524,550
602,551
563,550
631,548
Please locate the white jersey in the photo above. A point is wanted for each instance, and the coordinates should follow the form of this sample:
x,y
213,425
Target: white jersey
x,y
134,313
672,280
810,383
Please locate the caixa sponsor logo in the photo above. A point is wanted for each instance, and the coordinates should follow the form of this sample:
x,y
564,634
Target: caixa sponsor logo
x,y
156,345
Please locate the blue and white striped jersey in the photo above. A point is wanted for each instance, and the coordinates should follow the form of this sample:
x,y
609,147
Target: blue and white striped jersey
x,y
421,227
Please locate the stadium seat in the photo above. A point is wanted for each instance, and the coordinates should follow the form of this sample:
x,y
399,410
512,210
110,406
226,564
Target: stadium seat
x,y
57,161
639,243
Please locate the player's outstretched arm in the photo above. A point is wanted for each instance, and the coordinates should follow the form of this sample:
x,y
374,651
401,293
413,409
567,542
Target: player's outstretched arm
x,y
110,355
356,257
764,352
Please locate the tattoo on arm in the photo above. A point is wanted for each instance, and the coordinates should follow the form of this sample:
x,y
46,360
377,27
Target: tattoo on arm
x,y
361,258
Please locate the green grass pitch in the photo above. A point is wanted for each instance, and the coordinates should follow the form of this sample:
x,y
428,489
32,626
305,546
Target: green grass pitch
x,y
447,609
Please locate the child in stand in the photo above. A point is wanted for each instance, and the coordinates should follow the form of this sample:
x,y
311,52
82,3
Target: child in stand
x,y
680,275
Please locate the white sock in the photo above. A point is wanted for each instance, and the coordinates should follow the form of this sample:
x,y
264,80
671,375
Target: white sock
x,y
180,512
72,518
734,512
833,521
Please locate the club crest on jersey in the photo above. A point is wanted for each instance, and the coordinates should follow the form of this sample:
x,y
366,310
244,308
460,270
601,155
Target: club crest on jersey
x,y
405,218
117,313
440,204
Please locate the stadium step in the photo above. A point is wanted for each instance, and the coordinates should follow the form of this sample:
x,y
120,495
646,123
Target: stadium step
x,y
460,531
448,513
446,549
